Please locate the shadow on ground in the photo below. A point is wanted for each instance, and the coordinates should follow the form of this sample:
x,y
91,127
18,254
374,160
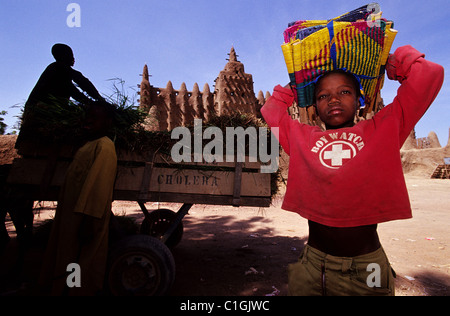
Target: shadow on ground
x,y
218,256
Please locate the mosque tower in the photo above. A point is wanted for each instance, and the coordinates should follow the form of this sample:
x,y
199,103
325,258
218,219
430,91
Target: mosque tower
x,y
234,89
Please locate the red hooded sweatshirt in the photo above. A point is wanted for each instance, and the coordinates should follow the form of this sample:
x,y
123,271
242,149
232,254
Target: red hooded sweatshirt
x,y
353,176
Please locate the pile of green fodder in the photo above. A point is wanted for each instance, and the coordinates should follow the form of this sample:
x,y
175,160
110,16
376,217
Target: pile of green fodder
x,y
60,122
53,121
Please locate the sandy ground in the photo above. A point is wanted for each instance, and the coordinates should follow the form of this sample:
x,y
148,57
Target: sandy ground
x,y
245,251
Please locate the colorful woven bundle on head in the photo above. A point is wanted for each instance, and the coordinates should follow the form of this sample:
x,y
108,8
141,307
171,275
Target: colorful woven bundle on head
x,y
358,42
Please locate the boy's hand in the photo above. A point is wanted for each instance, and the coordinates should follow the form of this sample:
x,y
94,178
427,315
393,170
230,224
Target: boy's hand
x,y
399,63
293,90
391,69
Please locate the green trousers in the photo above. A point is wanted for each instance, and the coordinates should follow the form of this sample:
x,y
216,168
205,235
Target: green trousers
x,y
319,274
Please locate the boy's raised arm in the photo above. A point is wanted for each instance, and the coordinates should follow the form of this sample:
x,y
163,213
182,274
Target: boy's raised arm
x,y
276,114
420,81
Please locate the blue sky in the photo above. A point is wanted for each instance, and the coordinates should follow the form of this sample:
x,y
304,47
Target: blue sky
x,y
188,41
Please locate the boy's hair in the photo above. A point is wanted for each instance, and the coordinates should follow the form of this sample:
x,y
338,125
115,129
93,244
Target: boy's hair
x,y
353,79
62,52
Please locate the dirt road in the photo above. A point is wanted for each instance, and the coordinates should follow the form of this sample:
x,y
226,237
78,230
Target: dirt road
x,y
245,251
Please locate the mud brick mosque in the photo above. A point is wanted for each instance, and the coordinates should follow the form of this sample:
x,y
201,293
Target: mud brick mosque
x,y
169,108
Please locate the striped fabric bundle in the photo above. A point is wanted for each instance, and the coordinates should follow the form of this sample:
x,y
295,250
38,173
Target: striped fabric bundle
x,y
358,42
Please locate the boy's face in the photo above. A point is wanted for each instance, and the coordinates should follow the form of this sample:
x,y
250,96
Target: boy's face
x,y
336,101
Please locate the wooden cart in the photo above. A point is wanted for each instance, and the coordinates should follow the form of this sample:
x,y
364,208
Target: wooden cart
x,y
143,264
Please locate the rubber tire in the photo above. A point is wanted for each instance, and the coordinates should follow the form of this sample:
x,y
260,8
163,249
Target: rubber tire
x,y
140,265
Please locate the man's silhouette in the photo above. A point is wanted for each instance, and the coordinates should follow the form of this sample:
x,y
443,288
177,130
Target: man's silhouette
x,y
58,80
58,83
55,85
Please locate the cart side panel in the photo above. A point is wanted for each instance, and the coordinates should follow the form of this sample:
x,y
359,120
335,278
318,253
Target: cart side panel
x,y
193,181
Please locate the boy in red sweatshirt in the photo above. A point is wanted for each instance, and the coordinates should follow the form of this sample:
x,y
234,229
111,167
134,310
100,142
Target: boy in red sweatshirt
x,y
347,179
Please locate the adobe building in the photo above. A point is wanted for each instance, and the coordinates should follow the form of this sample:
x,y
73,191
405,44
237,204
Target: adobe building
x,y
169,108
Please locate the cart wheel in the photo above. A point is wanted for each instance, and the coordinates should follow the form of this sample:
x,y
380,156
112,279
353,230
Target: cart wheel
x,y
140,265
157,224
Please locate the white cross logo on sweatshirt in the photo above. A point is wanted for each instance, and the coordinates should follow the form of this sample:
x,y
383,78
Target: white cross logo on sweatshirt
x,y
337,155
334,154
